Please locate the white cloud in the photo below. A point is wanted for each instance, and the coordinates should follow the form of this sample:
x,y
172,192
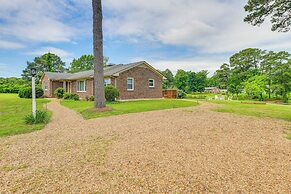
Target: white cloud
x,y
210,63
61,53
34,20
10,45
211,26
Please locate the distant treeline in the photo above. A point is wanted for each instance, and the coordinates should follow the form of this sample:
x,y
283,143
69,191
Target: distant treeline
x,y
256,73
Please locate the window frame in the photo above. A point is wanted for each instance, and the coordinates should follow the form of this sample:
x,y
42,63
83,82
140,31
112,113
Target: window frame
x,y
78,86
46,86
130,89
153,83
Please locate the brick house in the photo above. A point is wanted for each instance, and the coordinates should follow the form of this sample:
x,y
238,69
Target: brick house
x,y
134,81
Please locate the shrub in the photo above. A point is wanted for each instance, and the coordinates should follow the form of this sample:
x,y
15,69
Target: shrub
x,y
71,96
90,98
41,117
59,93
111,93
27,93
181,94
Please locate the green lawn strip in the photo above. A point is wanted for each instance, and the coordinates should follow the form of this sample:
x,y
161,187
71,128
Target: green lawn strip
x,y
126,107
259,110
12,113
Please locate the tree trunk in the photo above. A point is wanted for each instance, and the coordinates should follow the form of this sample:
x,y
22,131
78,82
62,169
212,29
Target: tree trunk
x,y
99,99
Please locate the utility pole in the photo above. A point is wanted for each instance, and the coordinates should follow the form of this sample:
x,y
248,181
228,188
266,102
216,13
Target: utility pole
x,y
33,73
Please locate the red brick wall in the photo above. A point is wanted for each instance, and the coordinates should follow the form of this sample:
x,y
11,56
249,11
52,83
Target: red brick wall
x,y
46,93
141,90
89,89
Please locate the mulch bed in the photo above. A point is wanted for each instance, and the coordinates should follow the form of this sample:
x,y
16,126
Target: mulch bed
x,y
105,109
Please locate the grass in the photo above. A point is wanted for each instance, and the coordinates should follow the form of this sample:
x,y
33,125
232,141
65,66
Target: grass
x,y
12,113
259,110
119,108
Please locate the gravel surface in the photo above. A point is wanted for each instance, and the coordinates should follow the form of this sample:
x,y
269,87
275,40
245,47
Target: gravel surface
x,y
186,150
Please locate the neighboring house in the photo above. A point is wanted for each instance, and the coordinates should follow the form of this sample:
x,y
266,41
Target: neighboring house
x,y
214,90
134,81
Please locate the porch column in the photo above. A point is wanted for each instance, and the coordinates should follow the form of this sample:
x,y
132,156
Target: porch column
x,y
64,85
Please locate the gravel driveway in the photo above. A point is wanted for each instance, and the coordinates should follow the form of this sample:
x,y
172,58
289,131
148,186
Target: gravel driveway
x,y
191,150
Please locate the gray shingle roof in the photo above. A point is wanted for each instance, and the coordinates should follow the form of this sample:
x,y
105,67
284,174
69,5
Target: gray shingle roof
x,y
108,71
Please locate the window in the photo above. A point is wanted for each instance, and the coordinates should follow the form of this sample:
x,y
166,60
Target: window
x,y
81,86
130,83
151,83
107,81
45,85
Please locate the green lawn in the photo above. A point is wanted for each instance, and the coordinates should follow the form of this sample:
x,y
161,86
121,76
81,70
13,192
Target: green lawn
x,y
259,110
12,113
126,107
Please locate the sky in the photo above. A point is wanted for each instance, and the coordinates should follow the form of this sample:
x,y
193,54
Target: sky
x,y
192,35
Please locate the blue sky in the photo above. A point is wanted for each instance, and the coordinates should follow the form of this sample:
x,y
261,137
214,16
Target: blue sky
x,y
188,34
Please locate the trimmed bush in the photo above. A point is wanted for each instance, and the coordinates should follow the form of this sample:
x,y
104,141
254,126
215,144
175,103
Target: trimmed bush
x,y
90,98
27,93
111,93
41,117
71,96
59,93
181,94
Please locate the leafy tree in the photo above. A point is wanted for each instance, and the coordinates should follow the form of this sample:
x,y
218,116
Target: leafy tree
x,y
201,80
48,62
170,78
223,75
192,82
282,75
267,68
99,91
181,80
278,10
213,81
234,85
12,84
84,63
255,86
245,64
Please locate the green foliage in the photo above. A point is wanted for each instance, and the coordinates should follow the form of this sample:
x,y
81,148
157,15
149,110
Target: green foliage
x,y
277,10
181,94
170,79
111,93
13,111
191,81
71,96
12,85
84,63
59,93
256,86
48,62
41,117
223,75
90,98
181,80
27,92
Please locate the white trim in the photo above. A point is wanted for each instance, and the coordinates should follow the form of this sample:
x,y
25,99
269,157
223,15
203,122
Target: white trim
x,y
78,86
132,83
153,83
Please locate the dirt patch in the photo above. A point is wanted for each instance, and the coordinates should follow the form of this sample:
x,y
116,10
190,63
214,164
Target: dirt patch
x,y
187,150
